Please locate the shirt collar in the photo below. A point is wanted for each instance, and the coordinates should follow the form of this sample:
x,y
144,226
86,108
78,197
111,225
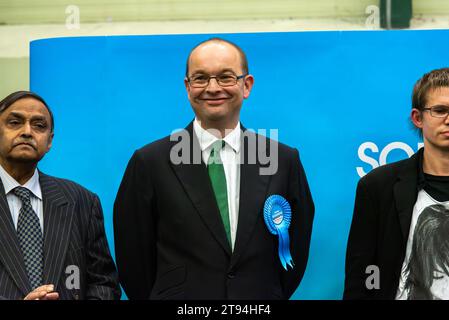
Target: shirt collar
x,y
206,139
9,183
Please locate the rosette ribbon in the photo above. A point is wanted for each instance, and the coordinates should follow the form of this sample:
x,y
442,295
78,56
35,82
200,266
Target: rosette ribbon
x,y
277,216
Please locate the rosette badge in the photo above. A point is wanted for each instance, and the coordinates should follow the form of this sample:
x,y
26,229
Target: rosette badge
x,y
277,215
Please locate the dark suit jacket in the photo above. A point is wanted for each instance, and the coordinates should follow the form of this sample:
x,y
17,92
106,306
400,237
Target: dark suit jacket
x,y
170,241
73,235
380,226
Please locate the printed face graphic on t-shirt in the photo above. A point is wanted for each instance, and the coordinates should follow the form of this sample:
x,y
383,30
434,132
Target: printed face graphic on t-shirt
x,y
428,267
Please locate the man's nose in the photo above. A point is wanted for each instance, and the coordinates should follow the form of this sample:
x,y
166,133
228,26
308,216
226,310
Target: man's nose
x,y
213,85
26,130
446,120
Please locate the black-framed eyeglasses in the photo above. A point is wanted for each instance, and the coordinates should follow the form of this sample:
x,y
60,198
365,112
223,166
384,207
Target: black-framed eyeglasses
x,y
439,111
223,80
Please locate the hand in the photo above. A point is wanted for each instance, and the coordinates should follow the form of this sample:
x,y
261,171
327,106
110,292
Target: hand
x,y
43,293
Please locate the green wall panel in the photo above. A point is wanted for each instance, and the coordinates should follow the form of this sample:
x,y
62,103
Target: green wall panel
x,y
14,75
46,11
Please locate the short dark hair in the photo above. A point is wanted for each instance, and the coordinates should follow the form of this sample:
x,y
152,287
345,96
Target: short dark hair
x,y
432,80
18,95
244,61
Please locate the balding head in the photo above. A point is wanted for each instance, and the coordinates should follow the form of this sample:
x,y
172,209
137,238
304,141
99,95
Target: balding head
x,y
243,60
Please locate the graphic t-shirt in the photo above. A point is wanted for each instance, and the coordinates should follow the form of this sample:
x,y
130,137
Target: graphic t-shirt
x,y
425,270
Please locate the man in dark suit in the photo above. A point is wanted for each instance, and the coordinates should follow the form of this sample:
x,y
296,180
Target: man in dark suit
x,y
396,249
52,239
187,230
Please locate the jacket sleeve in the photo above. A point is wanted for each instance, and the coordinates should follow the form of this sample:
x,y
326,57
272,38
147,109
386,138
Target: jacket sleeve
x,y
300,230
361,248
102,278
134,231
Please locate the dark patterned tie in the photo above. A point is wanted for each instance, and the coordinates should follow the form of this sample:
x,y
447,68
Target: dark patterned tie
x,y
30,238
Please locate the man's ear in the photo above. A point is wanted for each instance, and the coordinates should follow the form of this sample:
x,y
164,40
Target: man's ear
x,y
247,85
186,83
417,118
50,141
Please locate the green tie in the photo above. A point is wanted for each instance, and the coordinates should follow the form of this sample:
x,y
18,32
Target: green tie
x,y
218,180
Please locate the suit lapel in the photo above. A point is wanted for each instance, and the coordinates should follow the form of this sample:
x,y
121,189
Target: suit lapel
x,y
10,252
253,190
196,183
57,225
405,194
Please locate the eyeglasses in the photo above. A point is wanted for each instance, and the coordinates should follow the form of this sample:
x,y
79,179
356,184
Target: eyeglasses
x,y
438,111
223,80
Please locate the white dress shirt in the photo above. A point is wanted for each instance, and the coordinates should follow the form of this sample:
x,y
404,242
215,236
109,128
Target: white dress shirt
x,y
14,202
230,156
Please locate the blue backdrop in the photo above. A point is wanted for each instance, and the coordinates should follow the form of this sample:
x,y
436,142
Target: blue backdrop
x,y
341,98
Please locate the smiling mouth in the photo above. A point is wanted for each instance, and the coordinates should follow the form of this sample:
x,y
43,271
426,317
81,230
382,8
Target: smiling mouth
x,y
215,101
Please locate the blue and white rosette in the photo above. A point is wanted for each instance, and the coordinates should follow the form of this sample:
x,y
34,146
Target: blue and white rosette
x,y
277,215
